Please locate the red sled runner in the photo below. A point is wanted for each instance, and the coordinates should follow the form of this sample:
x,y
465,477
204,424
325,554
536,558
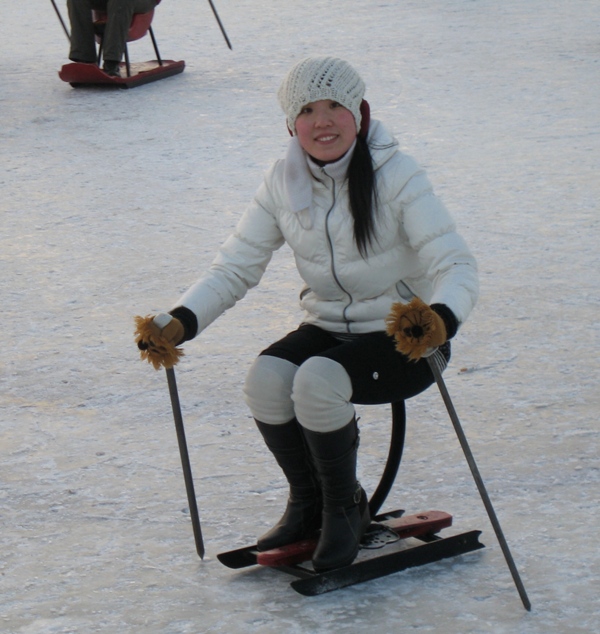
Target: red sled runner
x,y
386,535
130,75
78,74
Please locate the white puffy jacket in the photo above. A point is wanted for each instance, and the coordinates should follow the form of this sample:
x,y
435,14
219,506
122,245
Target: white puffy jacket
x,y
416,252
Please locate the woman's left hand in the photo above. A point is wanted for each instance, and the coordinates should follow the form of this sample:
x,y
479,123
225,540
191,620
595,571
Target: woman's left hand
x,y
416,328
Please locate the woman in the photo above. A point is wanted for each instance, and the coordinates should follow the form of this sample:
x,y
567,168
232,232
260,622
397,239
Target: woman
x,y
372,243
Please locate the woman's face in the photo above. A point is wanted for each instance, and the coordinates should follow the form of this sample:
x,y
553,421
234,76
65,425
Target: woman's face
x,y
326,130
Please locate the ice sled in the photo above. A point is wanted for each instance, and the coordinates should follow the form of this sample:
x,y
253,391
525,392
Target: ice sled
x,y
385,531
385,548
131,74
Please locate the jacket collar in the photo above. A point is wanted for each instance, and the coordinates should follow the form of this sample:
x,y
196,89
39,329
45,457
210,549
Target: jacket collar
x,y
337,170
300,169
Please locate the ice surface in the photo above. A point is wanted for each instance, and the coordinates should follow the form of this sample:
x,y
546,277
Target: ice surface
x,y
113,202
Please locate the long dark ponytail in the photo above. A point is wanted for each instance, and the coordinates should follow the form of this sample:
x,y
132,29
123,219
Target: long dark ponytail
x,y
362,195
362,192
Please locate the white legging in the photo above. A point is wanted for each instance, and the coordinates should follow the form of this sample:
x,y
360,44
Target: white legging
x,y
317,393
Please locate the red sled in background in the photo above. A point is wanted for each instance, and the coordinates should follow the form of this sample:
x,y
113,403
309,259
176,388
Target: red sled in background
x,y
131,75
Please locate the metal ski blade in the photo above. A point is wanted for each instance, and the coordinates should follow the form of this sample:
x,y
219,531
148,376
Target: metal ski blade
x,y
376,567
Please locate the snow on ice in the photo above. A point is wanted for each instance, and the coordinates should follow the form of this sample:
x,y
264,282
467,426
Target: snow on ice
x,y
113,202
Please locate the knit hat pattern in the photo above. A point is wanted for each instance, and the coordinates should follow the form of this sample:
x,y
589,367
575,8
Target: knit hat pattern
x,y
316,78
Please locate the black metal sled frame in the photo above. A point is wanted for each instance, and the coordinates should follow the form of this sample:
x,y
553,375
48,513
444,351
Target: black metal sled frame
x,y
311,583
432,547
126,50
394,458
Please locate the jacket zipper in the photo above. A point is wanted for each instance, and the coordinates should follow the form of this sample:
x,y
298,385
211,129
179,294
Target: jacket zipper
x,y
330,243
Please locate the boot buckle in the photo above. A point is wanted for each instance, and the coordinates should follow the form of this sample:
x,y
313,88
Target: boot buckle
x,y
357,493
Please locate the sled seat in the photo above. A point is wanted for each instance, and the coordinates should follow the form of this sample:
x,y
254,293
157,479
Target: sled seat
x,y
141,24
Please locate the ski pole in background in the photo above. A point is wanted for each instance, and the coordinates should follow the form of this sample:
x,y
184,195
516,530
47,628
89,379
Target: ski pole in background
x,y
212,6
64,26
185,461
479,481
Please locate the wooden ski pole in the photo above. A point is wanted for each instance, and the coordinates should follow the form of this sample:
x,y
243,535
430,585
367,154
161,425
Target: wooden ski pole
x,y
212,6
185,461
479,481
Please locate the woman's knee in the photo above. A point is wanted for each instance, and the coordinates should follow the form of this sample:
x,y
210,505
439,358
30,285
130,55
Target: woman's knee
x,y
321,393
268,389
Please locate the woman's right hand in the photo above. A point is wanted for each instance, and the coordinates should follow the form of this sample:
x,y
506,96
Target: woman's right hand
x,y
157,337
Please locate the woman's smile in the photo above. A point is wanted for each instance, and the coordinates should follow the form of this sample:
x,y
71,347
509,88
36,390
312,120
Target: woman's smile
x,y
326,130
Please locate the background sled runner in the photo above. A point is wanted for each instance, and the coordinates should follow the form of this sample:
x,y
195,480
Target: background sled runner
x,y
78,74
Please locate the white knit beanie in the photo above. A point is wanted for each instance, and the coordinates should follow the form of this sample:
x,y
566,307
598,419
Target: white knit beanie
x,y
316,78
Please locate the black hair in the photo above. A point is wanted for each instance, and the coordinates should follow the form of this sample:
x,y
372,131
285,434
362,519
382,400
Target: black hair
x,y
362,194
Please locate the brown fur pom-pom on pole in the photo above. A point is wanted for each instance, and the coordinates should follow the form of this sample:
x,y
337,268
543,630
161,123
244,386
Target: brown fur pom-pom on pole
x,y
415,327
154,343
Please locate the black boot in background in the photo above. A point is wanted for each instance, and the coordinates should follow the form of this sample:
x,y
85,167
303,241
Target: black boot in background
x,y
302,517
345,506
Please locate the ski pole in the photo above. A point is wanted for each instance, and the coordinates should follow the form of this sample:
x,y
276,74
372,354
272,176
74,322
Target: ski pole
x,y
185,461
212,6
479,481
64,26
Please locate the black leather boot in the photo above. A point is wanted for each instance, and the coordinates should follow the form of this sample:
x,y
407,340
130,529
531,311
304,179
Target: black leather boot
x,y
345,506
302,516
